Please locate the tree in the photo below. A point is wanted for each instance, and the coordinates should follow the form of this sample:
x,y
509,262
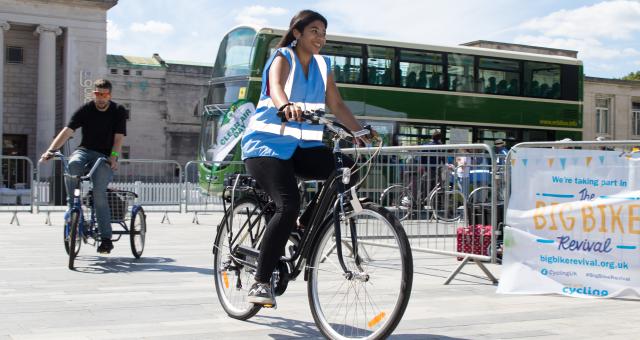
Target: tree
x,y
632,76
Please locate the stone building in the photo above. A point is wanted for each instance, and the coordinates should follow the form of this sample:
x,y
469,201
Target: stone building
x,y
51,50
165,99
611,109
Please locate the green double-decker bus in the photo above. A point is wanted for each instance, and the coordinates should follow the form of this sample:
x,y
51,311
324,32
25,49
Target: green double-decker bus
x,y
407,91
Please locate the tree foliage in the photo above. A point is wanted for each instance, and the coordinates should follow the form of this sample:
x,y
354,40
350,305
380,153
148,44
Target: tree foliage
x,y
632,76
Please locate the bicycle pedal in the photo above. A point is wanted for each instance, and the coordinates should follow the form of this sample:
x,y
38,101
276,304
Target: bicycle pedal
x,y
274,306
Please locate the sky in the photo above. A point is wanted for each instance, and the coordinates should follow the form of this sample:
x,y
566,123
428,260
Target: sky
x,y
605,33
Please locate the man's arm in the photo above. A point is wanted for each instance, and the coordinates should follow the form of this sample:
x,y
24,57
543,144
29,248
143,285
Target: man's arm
x,y
58,142
118,139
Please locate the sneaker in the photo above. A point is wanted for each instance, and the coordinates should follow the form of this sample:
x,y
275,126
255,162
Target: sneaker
x,y
261,294
105,246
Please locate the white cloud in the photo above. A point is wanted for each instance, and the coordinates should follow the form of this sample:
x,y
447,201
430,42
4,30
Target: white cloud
x,y
610,19
113,31
151,26
258,15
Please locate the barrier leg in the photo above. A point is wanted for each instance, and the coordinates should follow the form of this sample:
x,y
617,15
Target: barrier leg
x,y
165,217
479,263
195,218
15,218
457,270
47,220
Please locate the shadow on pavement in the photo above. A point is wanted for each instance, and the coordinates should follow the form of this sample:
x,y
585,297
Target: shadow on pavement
x,y
105,265
306,330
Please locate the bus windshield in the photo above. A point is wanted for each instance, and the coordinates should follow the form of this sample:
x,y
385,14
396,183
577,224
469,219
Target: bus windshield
x,y
234,54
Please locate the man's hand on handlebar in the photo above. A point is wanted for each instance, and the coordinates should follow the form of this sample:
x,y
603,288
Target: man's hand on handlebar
x,y
47,155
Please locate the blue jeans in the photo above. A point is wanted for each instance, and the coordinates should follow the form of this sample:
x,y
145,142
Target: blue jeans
x,y
79,163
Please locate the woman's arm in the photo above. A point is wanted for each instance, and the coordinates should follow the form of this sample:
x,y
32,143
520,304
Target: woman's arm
x,y
278,74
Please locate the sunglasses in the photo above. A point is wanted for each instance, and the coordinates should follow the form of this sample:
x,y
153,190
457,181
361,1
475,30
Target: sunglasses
x,y
101,94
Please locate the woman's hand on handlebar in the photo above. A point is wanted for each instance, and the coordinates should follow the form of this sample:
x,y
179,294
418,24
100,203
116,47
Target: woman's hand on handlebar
x,y
293,112
368,138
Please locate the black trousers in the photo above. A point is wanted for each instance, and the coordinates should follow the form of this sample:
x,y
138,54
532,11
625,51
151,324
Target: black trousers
x,y
278,178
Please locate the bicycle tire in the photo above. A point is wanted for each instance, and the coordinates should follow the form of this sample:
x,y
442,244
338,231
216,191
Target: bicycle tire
x,y
380,237
74,228
234,299
446,205
392,199
65,239
138,232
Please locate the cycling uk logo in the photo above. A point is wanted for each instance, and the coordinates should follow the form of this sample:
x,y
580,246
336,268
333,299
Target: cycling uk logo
x,y
584,290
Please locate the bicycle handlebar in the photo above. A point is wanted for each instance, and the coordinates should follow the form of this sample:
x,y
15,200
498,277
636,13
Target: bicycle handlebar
x,y
60,155
316,117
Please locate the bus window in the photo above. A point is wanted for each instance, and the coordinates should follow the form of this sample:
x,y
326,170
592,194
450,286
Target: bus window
x,y
499,76
234,53
380,65
460,72
346,61
541,80
421,69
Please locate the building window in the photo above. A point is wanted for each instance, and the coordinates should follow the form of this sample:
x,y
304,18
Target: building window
x,y
128,107
603,107
15,55
114,71
635,114
138,73
125,152
126,72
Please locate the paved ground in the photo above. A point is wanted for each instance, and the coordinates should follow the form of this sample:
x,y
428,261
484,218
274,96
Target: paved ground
x,y
170,294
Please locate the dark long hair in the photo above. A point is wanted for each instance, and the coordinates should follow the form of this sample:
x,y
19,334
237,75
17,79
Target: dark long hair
x,y
299,22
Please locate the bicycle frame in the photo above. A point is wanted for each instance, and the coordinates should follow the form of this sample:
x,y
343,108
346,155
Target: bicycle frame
x,y
332,197
77,200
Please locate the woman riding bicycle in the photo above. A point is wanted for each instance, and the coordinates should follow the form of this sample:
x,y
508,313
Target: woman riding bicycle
x,y
295,79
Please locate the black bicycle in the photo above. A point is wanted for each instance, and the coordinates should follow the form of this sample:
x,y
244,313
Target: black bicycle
x,y
354,255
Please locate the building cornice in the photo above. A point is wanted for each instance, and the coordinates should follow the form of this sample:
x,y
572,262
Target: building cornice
x,y
103,4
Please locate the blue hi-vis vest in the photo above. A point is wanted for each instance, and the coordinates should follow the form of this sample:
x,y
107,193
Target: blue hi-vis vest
x,y
264,136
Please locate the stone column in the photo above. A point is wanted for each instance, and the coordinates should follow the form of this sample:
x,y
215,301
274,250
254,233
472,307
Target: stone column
x,y
4,26
46,106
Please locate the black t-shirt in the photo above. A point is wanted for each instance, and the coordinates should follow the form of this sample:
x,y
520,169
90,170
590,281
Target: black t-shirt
x,y
99,127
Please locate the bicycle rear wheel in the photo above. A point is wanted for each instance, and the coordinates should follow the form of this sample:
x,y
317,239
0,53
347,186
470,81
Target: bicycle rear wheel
x,y
398,200
138,232
233,279
446,205
371,303
74,236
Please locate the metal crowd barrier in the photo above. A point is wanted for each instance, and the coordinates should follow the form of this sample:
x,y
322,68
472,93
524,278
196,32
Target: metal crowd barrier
x,y
203,185
16,186
445,196
158,184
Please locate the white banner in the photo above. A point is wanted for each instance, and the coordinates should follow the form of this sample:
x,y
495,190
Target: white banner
x,y
574,224
231,125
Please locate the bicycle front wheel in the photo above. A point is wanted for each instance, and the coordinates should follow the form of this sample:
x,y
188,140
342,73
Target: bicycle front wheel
x,y
74,236
66,230
233,279
138,232
370,304
397,199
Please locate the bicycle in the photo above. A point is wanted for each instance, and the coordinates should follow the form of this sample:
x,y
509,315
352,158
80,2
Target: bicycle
x,y
354,255
79,228
444,202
